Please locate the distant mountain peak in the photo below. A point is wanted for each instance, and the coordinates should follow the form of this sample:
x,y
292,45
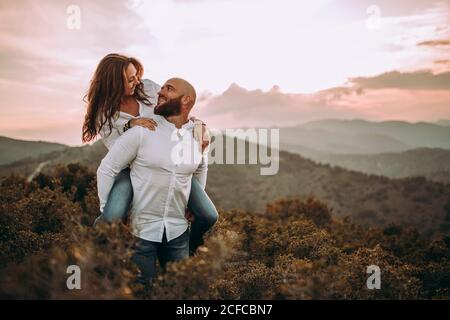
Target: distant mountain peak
x,y
235,88
275,89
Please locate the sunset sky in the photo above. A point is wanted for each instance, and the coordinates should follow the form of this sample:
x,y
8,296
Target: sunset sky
x,y
253,62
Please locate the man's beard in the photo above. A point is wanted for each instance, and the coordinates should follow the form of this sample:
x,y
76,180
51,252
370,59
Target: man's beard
x,y
171,107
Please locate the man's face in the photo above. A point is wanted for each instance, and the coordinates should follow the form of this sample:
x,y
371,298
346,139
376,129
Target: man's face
x,y
169,100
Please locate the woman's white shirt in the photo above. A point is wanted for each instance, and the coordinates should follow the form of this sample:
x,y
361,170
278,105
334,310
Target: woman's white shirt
x,y
151,88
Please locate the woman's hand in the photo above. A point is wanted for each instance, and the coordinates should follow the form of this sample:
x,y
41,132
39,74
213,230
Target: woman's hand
x,y
148,123
201,133
206,139
189,216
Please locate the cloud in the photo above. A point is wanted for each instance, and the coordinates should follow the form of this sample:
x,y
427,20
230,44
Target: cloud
x,y
416,96
443,61
435,43
399,104
37,44
420,80
45,67
239,107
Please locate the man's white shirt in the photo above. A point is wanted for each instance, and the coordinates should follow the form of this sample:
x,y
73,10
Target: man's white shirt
x,y
163,163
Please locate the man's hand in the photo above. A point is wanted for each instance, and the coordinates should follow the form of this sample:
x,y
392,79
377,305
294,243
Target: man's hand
x,y
148,123
189,216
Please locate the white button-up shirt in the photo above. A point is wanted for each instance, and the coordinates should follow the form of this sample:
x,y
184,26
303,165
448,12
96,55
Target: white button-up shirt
x,y
163,163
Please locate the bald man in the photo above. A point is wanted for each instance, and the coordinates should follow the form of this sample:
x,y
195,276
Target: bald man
x,y
175,100
163,163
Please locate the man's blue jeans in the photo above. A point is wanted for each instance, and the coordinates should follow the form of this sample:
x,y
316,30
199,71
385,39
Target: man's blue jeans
x,y
201,206
146,252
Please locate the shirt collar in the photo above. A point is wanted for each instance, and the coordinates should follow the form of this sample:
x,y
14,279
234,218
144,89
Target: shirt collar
x,y
182,131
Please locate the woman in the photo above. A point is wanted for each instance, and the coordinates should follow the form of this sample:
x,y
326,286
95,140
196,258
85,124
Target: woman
x,y
118,100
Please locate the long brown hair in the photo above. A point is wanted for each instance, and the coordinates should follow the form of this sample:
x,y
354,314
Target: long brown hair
x,y
106,91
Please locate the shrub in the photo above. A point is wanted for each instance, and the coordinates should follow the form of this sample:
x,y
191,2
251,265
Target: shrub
x,y
296,250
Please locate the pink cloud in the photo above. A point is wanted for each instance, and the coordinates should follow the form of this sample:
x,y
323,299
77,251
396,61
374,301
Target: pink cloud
x,y
45,67
419,96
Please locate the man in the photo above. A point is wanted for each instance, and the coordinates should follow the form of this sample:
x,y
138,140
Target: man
x,y
163,163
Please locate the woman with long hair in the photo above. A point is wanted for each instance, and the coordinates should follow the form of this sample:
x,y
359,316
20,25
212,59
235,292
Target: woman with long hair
x,y
117,100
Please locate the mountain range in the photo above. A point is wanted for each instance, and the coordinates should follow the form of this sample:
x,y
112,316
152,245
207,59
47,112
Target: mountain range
x,y
365,137
12,150
367,199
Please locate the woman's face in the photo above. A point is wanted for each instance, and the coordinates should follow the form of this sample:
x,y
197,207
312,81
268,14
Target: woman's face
x,y
132,80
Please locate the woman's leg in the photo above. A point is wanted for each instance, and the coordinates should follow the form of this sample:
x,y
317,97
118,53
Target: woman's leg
x,y
119,199
205,214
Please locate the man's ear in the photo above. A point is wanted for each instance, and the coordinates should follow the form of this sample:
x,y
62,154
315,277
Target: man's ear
x,y
186,100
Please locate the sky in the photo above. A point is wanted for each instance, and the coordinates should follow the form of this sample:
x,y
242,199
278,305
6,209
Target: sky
x,y
252,62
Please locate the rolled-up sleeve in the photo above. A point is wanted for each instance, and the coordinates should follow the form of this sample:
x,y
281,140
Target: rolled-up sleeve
x,y
109,137
118,158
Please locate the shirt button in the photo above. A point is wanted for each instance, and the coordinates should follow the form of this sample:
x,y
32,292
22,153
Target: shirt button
x,y
181,132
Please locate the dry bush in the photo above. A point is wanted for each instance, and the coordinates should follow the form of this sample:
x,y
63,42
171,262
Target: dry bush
x,y
295,250
103,256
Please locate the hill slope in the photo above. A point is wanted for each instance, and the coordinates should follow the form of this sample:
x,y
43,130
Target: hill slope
x,y
330,141
415,135
363,137
13,150
370,200
432,163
